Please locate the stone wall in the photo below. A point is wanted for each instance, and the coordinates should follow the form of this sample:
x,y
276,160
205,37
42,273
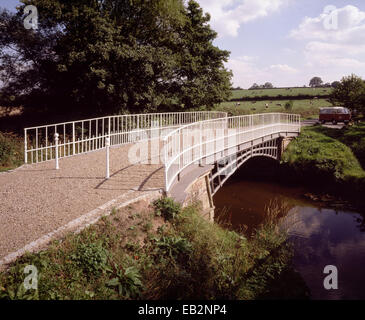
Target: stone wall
x,y
283,144
199,192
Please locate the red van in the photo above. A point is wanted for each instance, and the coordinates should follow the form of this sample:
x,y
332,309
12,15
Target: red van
x,y
334,115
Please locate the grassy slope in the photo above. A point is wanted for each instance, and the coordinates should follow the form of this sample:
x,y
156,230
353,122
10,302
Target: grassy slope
x,y
302,107
314,156
237,94
352,136
145,257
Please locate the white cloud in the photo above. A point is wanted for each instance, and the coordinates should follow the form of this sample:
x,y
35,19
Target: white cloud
x,y
338,48
350,26
342,46
337,55
283,68
228,15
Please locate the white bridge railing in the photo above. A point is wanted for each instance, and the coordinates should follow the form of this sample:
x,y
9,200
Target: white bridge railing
x,y
206,141
66,139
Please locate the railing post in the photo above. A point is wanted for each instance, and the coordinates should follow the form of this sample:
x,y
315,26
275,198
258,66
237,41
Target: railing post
x,y
201,144
165,143
56,135
107,147
25,147
73,138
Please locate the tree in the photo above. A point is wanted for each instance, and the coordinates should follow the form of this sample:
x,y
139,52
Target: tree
x,y
335,84
254,87
110,56
268,85
202,79
350,93
315,82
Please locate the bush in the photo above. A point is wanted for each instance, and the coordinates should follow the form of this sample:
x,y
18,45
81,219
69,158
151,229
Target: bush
x,y
91,258
167,208
11,150
173,246
289,105
350,93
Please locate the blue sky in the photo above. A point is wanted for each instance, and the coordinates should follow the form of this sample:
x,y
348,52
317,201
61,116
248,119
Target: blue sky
x,y
287,42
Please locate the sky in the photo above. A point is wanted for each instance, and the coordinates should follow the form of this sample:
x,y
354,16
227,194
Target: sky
x,y
286,42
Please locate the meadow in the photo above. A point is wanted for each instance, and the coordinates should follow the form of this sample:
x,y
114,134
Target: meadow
x,y
308,109
287,92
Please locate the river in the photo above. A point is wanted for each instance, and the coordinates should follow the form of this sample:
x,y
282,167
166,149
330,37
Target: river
x,y
321,235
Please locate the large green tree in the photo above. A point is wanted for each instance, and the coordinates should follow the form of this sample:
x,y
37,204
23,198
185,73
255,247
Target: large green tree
x,y
350,93
315,82
201,78
109,56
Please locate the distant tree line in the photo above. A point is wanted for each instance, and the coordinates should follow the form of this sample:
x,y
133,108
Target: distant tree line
x,y
317,82
267,85
95,57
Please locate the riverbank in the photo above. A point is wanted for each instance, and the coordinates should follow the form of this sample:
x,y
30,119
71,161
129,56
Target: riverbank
x,y
160,252
316,158
322,233
352,136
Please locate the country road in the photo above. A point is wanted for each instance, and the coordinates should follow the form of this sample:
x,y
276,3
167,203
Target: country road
x,y
312,122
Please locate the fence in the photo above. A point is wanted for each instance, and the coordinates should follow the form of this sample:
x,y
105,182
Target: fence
x,y
83,136
204,140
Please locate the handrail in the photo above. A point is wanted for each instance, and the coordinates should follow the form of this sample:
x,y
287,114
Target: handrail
x,y
190,124
81,136
192,143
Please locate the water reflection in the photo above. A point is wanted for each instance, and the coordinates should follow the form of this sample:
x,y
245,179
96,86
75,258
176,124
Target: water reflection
x,y
321,236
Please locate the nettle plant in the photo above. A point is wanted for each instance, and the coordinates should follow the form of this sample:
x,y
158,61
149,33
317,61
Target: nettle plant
x,y
91,257
167,208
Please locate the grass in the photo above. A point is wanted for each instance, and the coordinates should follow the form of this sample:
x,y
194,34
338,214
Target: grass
x,y
185,257
11,151
315,92
353,136
308,109
315,156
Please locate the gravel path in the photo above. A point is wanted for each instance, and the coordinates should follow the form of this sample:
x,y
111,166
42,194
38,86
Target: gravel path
x,y
37,199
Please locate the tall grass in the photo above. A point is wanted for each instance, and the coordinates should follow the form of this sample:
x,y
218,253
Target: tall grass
x,y
186,257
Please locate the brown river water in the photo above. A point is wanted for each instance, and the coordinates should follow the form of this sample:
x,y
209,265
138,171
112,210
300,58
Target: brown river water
x,y
320,235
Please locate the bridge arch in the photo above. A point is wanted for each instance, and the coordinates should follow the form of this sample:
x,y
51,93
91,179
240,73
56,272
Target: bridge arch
x,y
227,166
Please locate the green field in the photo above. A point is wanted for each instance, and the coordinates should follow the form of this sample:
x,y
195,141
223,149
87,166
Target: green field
x,y
239,94
308,109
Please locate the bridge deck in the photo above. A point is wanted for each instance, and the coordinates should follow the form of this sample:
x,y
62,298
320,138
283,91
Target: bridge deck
x,y
36,199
